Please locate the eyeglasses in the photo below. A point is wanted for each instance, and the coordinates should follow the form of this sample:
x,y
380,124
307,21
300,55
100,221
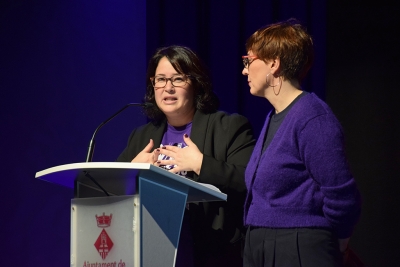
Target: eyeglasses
x,y
247,62
178,80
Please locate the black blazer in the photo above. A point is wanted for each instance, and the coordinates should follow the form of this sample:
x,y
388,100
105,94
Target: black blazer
x,y
226,141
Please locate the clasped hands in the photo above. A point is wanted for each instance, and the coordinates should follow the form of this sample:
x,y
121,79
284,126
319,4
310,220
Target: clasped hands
x,y
184,159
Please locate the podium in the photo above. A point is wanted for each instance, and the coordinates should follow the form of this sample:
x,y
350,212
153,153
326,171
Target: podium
x,y
126,214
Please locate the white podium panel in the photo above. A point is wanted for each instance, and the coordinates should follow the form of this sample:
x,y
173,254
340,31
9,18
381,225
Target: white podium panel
x,y
105,231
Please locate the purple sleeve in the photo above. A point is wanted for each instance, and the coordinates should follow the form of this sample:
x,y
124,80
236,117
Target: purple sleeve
x,y
321,145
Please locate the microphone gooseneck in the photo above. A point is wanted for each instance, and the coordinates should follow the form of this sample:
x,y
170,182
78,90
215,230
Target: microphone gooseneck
x,y
89,156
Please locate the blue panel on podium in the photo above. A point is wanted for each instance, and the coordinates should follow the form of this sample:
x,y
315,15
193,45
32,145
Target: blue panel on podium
x,y
162,210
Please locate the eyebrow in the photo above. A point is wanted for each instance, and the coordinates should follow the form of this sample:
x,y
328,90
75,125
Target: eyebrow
x,y
166,75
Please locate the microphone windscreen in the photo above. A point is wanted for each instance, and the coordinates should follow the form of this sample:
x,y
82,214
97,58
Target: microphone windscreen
x,y
148,105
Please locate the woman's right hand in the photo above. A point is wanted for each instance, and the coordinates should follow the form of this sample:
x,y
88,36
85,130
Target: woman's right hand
x,y
147,155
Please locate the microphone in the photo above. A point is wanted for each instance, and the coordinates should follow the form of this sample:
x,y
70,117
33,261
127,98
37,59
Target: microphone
x,y
89,156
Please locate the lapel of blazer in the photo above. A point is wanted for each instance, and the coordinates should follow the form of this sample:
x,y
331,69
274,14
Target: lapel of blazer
x,y
199,129
158,133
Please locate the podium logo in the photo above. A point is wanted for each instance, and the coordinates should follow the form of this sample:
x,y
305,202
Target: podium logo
x,y
103,243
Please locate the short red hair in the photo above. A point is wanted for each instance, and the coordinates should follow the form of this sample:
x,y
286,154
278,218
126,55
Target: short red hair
x,y
288,41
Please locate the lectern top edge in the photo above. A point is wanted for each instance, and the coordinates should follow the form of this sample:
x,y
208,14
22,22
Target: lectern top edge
x,y
123,172
95,165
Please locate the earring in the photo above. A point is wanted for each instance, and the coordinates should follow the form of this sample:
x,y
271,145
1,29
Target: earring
x,y
273,86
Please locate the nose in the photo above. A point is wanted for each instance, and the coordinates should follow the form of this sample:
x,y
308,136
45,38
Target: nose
x,y
169,84
245,71
169,88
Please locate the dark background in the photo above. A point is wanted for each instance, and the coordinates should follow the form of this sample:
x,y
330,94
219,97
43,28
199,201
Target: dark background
x,y
362,69
67,66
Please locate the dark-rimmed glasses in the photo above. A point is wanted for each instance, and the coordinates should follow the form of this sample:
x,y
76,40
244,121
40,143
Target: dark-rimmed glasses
x,y
247,61
177,80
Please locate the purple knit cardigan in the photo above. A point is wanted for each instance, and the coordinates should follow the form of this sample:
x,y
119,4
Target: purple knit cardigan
x,y
303,179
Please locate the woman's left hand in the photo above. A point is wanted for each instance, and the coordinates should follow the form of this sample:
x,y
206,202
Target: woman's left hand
x,y
188,158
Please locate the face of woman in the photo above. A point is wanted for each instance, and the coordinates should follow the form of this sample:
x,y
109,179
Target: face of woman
x,y
177,103
258,73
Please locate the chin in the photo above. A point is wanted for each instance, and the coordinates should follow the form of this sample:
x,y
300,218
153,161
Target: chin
x,y
168,111
254,92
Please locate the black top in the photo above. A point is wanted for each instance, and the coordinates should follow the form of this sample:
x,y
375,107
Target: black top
x,y
276,121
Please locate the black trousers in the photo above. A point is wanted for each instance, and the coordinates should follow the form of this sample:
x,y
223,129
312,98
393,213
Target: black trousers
x,y
298,247
206,254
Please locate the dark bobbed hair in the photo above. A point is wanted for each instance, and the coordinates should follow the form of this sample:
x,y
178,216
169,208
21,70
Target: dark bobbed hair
x,y
184,61
288,41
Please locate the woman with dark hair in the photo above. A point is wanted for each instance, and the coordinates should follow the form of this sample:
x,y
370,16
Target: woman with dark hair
x,y
188,136
302,202
205,99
